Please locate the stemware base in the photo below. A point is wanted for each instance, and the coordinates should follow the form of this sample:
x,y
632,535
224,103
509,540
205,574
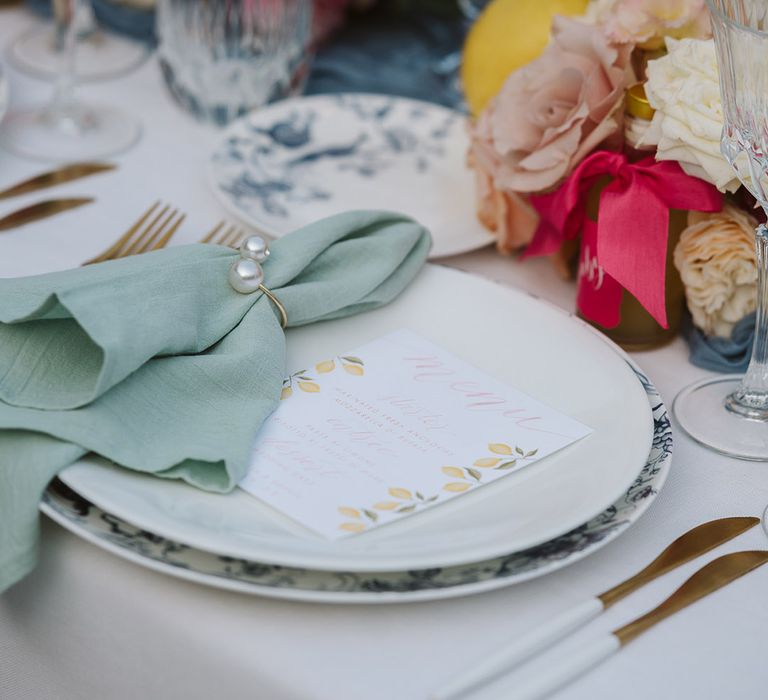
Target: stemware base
x,y
81,132
702,411
98,56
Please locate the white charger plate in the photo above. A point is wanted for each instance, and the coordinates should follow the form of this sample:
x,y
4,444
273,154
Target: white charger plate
x,y
528,343
182,561
289,164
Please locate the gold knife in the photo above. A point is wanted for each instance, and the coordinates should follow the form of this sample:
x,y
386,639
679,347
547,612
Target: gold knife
x,y
66,173
692,544
41,210
570,665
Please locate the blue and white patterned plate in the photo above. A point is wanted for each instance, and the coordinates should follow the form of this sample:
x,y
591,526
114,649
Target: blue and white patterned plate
x,y
164,555
297,161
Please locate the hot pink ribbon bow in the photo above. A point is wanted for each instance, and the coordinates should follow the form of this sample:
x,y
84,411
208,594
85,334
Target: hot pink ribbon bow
x,y
633,221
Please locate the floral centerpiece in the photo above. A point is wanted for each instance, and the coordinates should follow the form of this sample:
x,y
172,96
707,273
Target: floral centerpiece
x,y
555,141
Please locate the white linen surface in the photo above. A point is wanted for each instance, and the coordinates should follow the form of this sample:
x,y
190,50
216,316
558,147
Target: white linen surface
x,y
87,625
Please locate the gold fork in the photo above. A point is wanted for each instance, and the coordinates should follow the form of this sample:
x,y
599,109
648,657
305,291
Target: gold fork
x,y
221,234
151,232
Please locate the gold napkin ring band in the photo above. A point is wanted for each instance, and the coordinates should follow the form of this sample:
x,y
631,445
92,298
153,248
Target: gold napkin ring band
x,y
247,276
276,302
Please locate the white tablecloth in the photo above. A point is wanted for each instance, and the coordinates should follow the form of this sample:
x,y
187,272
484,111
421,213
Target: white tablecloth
x,y
86,625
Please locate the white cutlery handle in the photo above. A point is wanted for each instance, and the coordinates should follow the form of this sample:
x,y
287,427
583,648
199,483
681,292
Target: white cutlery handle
x,y
562,670
522,648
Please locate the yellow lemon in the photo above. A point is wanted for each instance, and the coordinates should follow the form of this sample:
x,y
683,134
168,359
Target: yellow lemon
x,y
349,512
354,369
386,505
487,462
500,448
309,387
507,35
325,366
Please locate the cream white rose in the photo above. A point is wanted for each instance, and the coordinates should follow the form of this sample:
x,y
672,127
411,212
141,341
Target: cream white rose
x,y
683,88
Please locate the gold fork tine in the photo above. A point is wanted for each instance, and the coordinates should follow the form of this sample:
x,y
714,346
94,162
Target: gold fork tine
x,y
239,236
212,233
217,236
223,237
146,237
232,236
115,248
167,237
159,237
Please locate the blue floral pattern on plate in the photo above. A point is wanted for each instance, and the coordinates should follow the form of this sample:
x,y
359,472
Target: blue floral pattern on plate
x,y
303,159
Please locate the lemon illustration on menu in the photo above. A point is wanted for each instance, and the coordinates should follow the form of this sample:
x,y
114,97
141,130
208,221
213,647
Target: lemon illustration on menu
x,y
507,35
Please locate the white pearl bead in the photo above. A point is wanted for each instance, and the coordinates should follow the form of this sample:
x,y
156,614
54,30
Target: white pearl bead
x,y
245,275
255,248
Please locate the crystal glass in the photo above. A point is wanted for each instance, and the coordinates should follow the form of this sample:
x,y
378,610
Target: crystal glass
x,y
66,129
730,414
98,55
222,58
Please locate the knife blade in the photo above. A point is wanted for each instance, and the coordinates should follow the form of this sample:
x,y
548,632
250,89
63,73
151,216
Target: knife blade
x,y
708,579
61,175
569,665
41,210
688,546
692,544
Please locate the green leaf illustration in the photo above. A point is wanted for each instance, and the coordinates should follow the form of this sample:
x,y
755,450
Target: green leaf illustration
x,y
407,509
507,465
356,360
474,473
532,452
371,515
519,451
430,500
419,496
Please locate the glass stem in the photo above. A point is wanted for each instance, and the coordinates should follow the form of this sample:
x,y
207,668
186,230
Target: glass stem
x,y
751,399
63,113
66,18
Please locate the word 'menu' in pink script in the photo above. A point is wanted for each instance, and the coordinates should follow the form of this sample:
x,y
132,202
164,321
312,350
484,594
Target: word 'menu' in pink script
x,y
431,369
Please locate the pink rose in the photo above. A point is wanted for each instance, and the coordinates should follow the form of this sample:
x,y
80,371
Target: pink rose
x,y
507,214
554,111
547,117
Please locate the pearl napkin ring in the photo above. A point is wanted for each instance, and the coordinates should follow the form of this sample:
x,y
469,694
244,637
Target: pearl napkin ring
x,y
247,276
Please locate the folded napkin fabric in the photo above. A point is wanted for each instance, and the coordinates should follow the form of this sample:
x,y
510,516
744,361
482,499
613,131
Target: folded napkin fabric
x,y
157,364
730,355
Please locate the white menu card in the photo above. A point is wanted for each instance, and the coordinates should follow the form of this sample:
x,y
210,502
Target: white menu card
x,y
393,428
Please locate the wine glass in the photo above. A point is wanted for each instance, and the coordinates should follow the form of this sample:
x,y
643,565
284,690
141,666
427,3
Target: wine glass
x,y
98,56
66,129
221,59
730,414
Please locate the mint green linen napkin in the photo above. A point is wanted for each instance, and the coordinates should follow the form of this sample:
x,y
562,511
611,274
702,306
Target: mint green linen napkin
x,y
157,364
